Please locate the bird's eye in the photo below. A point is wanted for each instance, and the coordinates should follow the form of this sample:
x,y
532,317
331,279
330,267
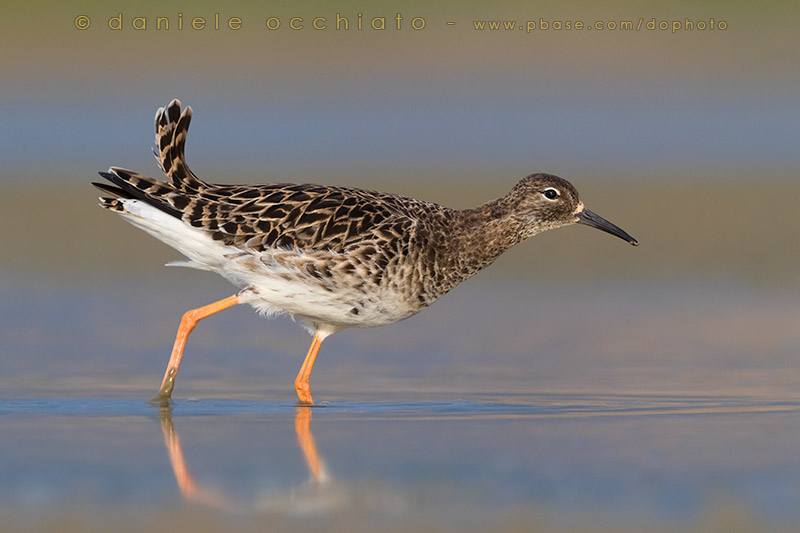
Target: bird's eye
x,y
550,194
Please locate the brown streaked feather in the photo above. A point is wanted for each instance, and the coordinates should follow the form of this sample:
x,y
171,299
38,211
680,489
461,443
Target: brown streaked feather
x,y
310,217
261,217
172,126
112,204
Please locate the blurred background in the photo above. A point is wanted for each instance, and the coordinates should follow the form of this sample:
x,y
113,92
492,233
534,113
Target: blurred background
x,y
687,137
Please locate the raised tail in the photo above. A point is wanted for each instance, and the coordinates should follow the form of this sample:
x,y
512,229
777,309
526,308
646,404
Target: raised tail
x,y
172,125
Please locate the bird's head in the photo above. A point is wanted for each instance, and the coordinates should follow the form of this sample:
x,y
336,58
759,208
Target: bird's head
x,y
544,201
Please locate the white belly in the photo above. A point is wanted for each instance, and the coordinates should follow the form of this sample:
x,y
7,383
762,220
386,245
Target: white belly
x,y
276,282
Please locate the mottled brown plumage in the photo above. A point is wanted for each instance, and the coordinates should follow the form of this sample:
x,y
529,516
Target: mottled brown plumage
x,y
332,257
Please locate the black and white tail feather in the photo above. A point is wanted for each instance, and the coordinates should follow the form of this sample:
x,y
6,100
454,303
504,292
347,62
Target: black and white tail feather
x,y
256,218
134,196
171,126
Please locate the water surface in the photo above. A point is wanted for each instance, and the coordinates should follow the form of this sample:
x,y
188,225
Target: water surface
x,y
501,462
511,407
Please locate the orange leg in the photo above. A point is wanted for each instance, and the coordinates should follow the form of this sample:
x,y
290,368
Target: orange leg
x,y
301,383
188,322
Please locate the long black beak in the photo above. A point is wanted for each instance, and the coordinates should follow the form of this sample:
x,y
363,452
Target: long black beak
x,y
588,218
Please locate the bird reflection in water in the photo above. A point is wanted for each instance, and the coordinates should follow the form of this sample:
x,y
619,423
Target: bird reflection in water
x,y
189,488
320,493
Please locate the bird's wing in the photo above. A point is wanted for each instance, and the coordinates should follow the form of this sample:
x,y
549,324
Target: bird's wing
x,y
306,217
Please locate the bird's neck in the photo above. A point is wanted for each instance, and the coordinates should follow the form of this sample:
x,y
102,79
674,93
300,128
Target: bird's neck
x,y
485,232
473,240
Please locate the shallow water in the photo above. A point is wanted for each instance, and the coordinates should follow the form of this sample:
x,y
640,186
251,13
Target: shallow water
x,y
504,461
503,407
